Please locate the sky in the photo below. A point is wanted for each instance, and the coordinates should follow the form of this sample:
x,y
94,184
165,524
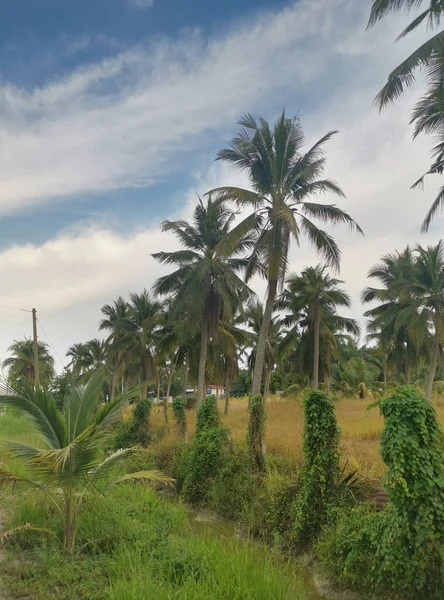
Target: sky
x,y
111,114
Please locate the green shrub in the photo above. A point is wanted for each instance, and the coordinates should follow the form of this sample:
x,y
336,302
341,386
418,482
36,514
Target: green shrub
x,y
256,433
136,430
399,553
438,387
208,414
292,391
320,472
180,417
201,462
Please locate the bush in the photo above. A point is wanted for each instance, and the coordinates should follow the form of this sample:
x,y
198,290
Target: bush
x,y
207,414
136,430
180,417
320,472
438,387
292,391
201,462
399,553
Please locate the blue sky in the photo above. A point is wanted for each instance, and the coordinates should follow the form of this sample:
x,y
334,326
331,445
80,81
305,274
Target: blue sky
x,y
111,112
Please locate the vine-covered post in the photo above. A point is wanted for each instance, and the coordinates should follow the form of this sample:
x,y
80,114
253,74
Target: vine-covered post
x,y
320,473
180,417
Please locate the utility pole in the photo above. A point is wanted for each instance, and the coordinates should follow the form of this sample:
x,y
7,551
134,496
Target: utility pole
x,y
36,348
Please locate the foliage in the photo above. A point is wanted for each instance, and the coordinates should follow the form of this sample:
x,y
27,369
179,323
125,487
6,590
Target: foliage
x,y
21,364
201,462
402,547
256,433
71,466
292,391
320,472
207,414
136,430
180,417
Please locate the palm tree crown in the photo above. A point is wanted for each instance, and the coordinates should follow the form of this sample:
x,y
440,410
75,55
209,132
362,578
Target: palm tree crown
x,y
205,284
283,180
21,363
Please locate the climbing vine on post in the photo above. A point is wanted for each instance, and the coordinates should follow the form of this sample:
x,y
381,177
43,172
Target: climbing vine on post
x,y
207,414
136,430
180,417
256,433
320,473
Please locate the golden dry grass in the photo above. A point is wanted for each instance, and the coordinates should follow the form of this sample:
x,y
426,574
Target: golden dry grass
x,y
360,430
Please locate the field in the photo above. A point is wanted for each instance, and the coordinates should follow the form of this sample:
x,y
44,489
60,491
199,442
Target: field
x,y
360,430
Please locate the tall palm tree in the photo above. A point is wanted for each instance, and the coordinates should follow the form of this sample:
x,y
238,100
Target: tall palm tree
x,y
206,284
318,294
428,293
283,180
255,319
88,357
21,363
113,315
397,323
428,114
139,330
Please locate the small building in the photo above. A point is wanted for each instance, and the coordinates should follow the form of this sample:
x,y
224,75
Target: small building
x,y
216,390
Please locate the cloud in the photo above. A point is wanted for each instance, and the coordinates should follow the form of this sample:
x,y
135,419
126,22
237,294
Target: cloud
x,y
133,118
141,3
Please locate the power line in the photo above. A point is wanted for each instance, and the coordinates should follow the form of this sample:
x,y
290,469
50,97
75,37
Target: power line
x,y
50,343
15,308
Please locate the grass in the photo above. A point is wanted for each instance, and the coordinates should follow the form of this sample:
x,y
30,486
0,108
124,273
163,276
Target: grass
x,y
360,430
132,544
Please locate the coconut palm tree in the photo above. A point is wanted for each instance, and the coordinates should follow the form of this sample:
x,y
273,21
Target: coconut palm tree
x,y
397,323
69,465
428,294
21,363
428,114
113,315
318,294
87,357
205,284
283,180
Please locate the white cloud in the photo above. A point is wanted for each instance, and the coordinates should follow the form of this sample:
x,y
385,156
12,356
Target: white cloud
x,y
127,120
141,3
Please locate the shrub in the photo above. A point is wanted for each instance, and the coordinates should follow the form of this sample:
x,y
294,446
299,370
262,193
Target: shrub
x,y
320,472
438,387
136,430
401,550
292,391
201,462
256,433
180,417
207,414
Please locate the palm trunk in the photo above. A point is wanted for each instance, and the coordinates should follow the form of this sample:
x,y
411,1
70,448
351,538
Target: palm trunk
x,y
385,368
185,376
327,384
166,400
317,323
202,363
227,388
158,387
144,388
407,370
69,529
267,376
262,341
432,370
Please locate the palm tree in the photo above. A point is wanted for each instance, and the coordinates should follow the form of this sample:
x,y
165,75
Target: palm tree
x,y
114,313
397,323
21,363
205,285
318,295
69,465
138,329
87,357
255,319
428,114
283,180
428,293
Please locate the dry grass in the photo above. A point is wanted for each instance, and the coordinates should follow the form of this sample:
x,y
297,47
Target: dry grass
x,y
360,429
